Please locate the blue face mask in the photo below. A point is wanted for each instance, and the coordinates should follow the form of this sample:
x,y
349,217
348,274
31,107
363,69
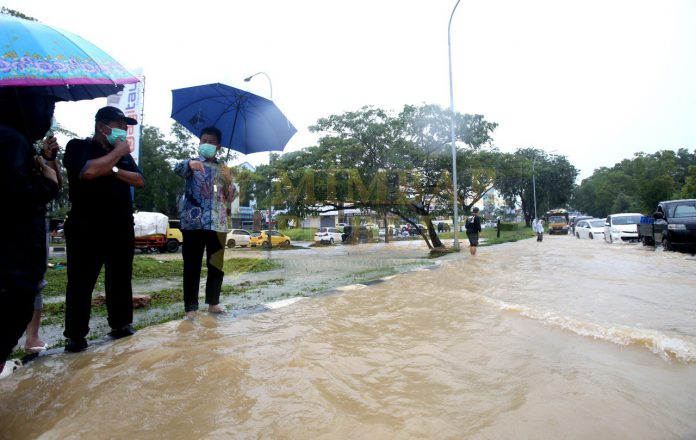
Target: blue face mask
x,y
207,150
115,134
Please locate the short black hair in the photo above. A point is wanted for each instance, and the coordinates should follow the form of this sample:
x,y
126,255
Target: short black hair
x,y
214,131
475,209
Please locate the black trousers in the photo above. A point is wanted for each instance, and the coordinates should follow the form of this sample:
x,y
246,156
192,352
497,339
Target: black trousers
x,y
17,309
195,242
91,245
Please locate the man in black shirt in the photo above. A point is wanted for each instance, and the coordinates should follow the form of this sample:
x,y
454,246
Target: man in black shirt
x,y
101,172
473,227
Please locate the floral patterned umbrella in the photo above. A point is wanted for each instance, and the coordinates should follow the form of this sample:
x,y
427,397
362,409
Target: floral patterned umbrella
x,y
34,54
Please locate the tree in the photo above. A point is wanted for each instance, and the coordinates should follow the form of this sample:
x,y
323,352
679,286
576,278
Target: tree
x,y
372,159
688,191
636,184
184,145
162,186
529,170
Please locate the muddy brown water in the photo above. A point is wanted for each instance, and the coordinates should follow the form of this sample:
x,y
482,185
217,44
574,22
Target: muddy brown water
x,y
560,339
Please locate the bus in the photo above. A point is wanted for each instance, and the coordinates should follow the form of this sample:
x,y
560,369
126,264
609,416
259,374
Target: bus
x,y
558,221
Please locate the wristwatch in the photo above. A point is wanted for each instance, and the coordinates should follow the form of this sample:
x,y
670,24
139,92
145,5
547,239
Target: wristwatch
x,y
114,169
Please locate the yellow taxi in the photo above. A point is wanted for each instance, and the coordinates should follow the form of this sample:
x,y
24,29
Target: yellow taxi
x,y
277,239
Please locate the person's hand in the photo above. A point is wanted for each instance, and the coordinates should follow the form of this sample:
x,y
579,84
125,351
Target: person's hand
x,y
50,148
226,176
196,165
121,147
48,172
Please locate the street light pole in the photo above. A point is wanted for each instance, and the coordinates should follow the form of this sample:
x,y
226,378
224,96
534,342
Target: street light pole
x,y
534,188
455,221
270,203
248,78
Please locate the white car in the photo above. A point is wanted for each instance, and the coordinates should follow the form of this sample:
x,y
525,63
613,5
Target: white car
x,y
327,235
590,228
621,227
238,237
372,226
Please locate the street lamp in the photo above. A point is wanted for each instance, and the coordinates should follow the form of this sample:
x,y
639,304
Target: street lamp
x,y
534,188
455,222
248,78
270,204
534,182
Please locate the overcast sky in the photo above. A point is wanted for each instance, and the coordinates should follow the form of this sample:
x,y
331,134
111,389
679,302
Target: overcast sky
x,y
595,80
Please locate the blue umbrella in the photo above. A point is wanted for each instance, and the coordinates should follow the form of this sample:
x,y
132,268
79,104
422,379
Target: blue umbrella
x,y
249,123
34,54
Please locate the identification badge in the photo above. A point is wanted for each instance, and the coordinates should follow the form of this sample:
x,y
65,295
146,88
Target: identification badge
x,y
215,188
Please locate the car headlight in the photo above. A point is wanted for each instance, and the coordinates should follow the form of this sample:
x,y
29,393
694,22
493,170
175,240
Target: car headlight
x,y
615,230
677,227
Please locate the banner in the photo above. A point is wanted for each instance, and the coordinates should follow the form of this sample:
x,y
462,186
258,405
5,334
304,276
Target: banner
x,y
131,102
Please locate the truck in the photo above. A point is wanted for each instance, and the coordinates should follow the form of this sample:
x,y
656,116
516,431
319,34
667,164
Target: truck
x,y
558,221
152,232
673,225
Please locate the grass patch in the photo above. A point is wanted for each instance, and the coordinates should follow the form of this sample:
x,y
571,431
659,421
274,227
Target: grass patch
x,y
300,234
373,274
242,265
489,234
144,268
148,268
54,313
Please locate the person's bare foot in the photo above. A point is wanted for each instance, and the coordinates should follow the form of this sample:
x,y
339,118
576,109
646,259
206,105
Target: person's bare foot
x,y
216,309
192,314
34,344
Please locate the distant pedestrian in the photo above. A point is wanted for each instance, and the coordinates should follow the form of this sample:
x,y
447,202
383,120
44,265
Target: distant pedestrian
x,y
473,227
539,229
208,194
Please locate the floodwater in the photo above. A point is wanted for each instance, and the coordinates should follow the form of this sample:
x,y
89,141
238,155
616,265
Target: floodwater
x,y
561,339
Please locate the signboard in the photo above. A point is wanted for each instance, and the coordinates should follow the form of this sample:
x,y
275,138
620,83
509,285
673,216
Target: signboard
x,y
131,102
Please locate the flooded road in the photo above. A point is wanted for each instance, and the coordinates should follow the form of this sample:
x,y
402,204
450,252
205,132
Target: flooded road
x,y
560,339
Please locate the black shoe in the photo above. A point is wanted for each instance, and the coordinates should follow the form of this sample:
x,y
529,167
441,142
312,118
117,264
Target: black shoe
x,y
75,345
118,333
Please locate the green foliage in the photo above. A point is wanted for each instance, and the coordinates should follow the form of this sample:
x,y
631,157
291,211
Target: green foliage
x,y
242,265
373,159
300,234
162,186
637,184
688,191
506,226
518,172
147,268
490,237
